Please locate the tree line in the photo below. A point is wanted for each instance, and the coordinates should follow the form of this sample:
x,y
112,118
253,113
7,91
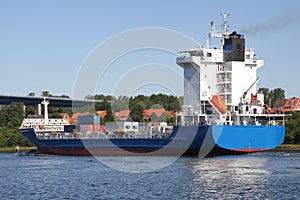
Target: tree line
x,y
137,105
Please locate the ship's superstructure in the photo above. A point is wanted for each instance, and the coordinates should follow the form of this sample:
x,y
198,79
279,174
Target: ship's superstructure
x,y
220,82
44,124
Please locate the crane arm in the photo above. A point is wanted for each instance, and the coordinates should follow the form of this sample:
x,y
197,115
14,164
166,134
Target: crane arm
x,y
245,93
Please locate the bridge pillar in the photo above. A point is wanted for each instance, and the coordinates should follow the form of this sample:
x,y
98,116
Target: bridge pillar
x,y
39,109
24,110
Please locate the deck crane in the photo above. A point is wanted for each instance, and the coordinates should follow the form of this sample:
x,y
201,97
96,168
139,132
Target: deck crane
x,y
246,92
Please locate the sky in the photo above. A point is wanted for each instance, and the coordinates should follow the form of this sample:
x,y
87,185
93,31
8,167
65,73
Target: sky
x,y
43,44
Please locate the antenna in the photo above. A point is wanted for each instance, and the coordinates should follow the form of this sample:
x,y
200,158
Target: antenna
x,y
212,25
225,26
218,34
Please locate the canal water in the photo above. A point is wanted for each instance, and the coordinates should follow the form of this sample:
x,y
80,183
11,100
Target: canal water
x,y
269,175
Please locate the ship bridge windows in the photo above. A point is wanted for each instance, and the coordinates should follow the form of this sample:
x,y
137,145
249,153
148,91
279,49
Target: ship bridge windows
x,y
209,54
187,66
248,56
196,53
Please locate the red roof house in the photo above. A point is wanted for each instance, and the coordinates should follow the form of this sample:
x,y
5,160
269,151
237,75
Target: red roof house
x,y
291,105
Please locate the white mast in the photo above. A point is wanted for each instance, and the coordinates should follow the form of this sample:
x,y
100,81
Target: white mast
x,y
225,27
218,34
45,103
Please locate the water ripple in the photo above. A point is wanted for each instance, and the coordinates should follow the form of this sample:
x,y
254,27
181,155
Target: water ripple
x,y
256,176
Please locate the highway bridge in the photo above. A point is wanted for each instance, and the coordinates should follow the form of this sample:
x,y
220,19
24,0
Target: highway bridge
x,y
34,101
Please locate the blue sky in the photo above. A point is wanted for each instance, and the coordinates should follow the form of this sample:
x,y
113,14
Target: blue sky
x,y
44,43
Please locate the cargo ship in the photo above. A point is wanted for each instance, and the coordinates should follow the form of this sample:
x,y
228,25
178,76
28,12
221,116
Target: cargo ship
x,y
223,112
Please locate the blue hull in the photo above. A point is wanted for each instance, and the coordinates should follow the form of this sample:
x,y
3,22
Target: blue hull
x,y
190,140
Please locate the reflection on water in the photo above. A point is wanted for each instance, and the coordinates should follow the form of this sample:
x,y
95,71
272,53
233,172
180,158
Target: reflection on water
x,y
256,176
228,176
136,164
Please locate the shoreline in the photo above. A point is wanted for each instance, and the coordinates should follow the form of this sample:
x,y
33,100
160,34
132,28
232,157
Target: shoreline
x,y
13,149
283,147
287,147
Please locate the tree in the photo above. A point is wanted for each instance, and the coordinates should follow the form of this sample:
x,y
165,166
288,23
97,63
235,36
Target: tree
x,y
171,121
109,117
46,94
277,94
173,104
104,105
31,94
141,100
64,96
293,129
270,96
137,113
14,115
54,115
29,110
11,117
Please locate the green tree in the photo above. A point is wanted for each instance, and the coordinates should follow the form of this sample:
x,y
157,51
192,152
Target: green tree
x,y
11,117
293,129
270,96
29,110
171,121
31,94
109,117
137,113
64,96
173,104
277,94
46,94
141,100
14,115
104,105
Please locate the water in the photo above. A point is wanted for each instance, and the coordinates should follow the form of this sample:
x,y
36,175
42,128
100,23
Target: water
x,y
271,175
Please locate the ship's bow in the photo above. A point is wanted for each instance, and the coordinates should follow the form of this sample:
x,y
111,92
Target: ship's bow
x,y
247,139
29,133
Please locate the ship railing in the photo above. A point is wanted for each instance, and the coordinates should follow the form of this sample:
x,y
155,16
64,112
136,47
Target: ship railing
x,y
43,128
101,135
260,119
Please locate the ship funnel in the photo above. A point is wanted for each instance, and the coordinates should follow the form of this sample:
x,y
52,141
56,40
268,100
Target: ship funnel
x,y
234,47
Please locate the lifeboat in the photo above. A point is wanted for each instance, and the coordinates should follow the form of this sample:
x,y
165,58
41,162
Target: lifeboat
x,y
219,103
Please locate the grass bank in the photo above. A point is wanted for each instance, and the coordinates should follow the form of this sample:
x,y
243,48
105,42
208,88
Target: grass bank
x,y
13,149
287,147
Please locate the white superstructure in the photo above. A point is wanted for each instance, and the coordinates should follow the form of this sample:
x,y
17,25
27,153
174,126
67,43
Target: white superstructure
x,y
221,76
44,124
40,125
